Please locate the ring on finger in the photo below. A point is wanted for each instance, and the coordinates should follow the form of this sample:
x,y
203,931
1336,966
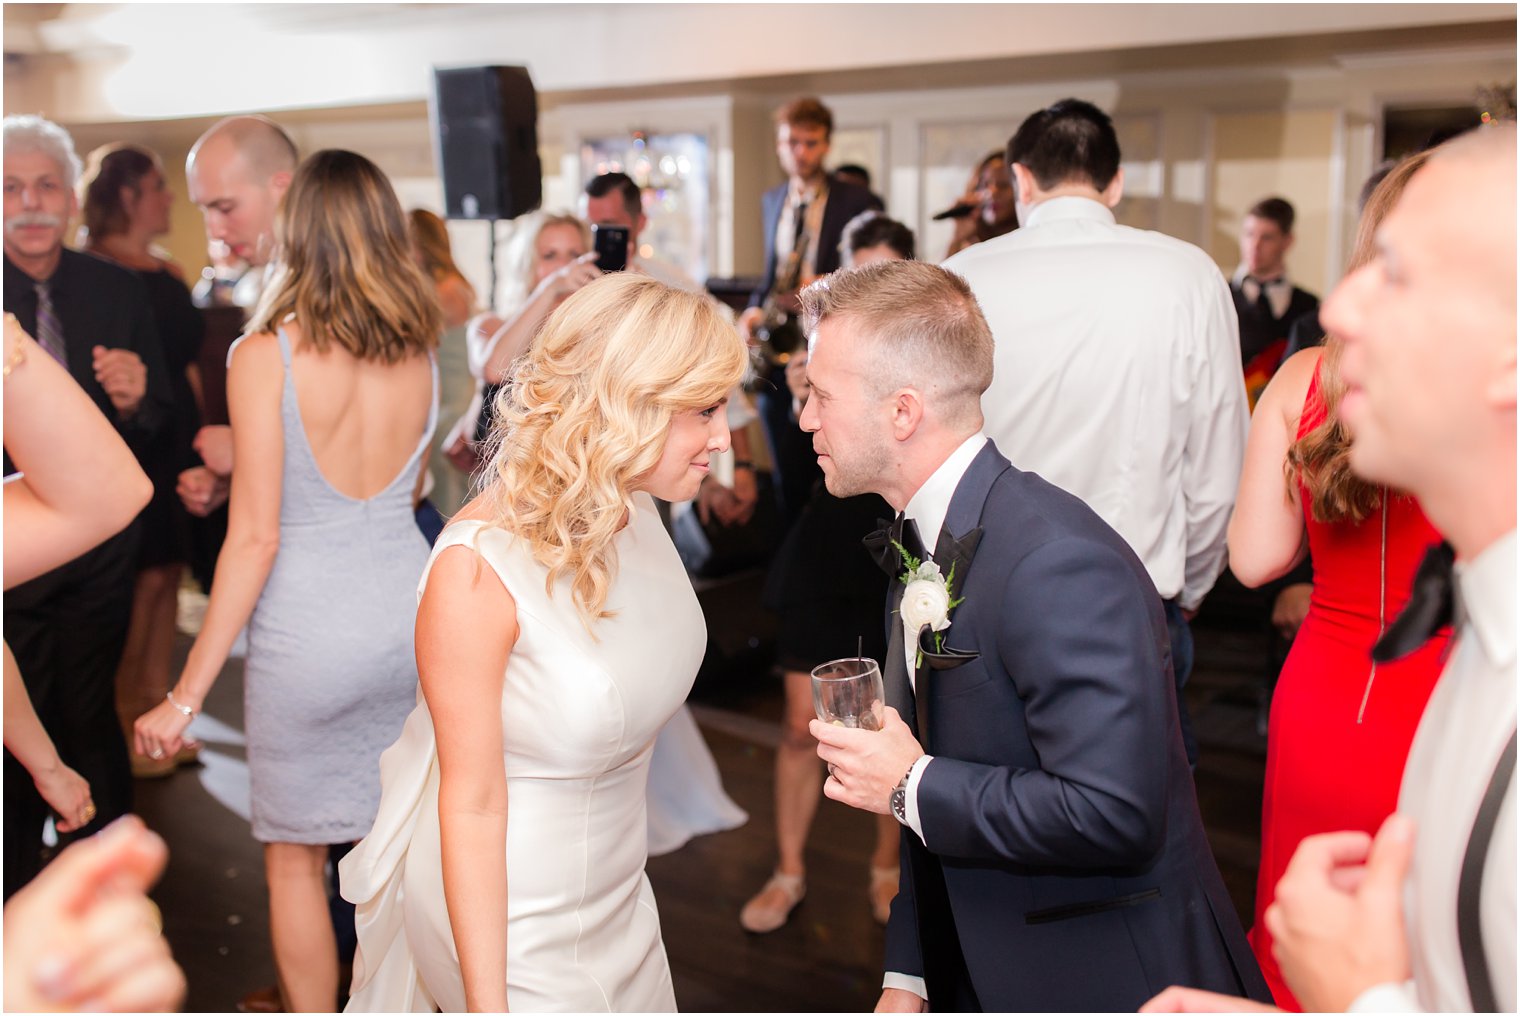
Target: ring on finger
x,y
155,916
156,753
88,812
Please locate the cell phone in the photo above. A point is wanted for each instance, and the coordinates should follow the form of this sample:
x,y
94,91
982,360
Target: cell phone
x,y
611,246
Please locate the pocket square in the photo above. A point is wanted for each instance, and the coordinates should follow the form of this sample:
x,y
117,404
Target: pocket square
x,y
942,659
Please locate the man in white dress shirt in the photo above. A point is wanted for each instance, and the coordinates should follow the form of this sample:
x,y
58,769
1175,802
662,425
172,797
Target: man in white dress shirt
x,y
1422,917
1117,361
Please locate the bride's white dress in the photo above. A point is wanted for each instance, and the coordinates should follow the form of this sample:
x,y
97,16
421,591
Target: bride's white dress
x,y
579,720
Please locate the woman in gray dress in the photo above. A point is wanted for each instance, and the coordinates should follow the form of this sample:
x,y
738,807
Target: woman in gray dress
x,y
333,399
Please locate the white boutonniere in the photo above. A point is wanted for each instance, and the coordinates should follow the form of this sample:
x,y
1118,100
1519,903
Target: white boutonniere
x,y
926,602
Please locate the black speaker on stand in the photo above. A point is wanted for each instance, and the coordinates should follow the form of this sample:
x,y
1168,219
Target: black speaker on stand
x,y
486,123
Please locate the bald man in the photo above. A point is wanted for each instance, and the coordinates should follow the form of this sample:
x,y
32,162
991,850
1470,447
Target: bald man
x,y
1421,918
238,171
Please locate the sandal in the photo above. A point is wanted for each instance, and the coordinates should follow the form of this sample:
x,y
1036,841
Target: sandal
x,y
762,914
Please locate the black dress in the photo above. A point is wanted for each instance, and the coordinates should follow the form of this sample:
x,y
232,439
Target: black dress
x,y
825,586
181,329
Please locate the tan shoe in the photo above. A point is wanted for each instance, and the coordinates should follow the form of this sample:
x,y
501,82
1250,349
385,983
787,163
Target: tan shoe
x,y
189,753
883,891
145,767
770,908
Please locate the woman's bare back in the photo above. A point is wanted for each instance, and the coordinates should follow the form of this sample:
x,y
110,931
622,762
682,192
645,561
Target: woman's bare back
x,y
363,418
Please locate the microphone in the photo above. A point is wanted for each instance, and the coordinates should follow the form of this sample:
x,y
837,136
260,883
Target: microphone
x,y
958,211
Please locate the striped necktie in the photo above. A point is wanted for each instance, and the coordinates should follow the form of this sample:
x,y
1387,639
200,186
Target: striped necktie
x,y
49,331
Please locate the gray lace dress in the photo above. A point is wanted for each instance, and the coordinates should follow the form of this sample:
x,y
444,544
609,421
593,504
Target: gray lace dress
x,y
330,674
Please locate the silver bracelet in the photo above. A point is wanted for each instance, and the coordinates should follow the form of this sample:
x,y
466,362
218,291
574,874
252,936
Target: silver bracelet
x,y
190,713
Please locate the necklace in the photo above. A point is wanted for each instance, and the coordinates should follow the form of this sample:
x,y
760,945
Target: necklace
x,y
1382,600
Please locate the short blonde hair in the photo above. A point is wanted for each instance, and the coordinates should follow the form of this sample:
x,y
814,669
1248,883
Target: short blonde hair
x,y
587,415
925,327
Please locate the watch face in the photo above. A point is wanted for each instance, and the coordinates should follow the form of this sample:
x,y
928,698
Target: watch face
x,y
900,804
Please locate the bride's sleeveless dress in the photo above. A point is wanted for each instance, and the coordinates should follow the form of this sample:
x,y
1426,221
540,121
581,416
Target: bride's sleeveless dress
x,y
579,719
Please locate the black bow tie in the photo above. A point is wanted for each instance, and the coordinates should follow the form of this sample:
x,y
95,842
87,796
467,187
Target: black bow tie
x,y
879,542
1431,607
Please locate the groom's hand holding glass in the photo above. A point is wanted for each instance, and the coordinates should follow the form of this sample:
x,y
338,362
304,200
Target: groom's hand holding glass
x,y
866,765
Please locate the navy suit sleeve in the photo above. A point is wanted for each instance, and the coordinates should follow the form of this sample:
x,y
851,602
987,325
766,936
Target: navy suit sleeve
x,y
1076,635
904,955
770,214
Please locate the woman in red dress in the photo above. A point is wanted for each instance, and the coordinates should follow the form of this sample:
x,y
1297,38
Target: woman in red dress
x,y
1341,725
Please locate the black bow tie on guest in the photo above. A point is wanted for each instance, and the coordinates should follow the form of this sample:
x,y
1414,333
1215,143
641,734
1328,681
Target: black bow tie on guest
x,y
879,542
1431,607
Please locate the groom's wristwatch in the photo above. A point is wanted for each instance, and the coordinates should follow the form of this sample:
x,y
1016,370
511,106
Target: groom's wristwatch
x,y
900,797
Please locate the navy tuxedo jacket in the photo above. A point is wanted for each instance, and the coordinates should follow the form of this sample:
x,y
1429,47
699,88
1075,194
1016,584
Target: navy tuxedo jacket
x,y
1066,866
845,202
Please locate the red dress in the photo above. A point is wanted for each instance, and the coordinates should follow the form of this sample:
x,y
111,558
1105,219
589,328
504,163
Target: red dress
x,y
1339,733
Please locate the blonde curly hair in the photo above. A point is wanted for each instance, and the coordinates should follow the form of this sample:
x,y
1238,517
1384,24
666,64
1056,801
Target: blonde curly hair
x,y
586,416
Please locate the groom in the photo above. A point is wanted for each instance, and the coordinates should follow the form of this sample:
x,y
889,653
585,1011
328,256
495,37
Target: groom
x,y
1053,857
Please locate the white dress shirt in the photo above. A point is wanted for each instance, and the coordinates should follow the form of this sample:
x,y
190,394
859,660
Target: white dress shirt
x,y
1117,377
1470,717
1279,290
812,197
927,508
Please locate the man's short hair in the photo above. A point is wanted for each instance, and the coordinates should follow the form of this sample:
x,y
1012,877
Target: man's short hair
x,y
872,229
1070,142
27,132
851,172
806,111
622,184
925,326
1274,209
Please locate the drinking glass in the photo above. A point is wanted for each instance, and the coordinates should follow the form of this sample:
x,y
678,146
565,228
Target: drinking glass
x,y
847,693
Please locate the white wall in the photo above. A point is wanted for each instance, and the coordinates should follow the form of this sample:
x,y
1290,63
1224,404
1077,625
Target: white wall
x,y
1203,128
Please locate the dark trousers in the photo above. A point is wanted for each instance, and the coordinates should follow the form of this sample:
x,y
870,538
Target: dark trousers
x,y
340,910
66,630
1182,666
795,466
429,520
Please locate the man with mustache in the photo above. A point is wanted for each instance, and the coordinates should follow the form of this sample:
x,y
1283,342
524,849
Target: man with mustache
x,y
67,628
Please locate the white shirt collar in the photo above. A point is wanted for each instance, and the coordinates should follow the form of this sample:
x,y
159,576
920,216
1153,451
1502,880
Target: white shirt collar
x,y
1069,207
1487,587
1242,274
797,193
928,506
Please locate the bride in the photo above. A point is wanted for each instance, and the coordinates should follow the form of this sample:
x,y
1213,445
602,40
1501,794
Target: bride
x,y
556,633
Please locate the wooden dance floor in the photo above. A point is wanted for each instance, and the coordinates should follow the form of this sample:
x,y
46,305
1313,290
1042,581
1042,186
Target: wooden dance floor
x,y
827,959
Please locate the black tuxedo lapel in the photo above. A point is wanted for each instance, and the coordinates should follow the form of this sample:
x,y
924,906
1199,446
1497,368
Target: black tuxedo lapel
x,y
895,673
954,548
970,497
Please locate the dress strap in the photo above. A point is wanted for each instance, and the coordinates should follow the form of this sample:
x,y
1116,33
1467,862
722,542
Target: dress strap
x,y
284,346
284,341
1315,410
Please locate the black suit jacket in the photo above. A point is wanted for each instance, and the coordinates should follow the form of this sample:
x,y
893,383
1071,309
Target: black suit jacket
x,y
1066,866
97,304
100,304
845,202
1258,331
